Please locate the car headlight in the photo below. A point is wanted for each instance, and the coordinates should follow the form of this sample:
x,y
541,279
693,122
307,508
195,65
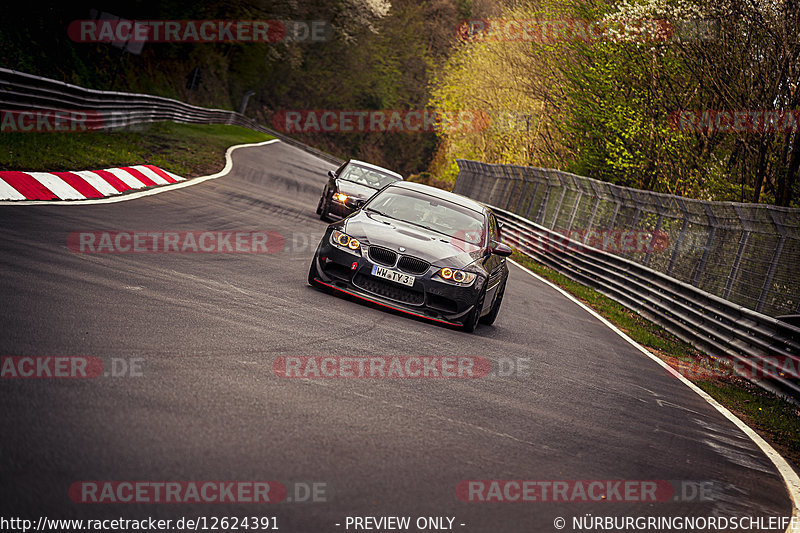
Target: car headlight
x,y
457,276
340,196
345,242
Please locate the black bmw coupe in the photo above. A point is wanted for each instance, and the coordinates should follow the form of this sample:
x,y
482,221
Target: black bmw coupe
x,y
354,179
419,250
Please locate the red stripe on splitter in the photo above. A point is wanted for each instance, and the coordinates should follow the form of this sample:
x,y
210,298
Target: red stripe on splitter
x,y
139,176
79,184
27,186
162,173
112,180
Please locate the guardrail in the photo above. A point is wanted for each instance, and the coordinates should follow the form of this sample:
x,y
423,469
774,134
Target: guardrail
x,y
748,254
109,110
755,342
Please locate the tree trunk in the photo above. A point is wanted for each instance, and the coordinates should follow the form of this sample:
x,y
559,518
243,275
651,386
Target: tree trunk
x,y
791,174
762,163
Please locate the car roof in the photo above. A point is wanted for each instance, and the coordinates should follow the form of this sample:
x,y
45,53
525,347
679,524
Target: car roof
x,y
374,167
457,199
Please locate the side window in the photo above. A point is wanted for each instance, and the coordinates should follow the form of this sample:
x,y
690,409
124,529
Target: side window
x,y
494,234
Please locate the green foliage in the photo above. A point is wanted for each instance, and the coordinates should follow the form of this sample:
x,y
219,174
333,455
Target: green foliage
x,y
606,107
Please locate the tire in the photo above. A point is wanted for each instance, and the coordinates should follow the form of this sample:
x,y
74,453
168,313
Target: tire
x,y
319,205
474,317
323,209
492,316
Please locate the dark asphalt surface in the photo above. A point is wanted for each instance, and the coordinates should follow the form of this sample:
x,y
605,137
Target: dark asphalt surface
x,y
208,406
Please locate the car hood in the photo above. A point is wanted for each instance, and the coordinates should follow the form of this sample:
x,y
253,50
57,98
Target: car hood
x,y
438,249
355,190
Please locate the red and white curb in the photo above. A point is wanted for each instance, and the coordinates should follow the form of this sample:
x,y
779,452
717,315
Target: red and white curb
x,y
180,183
82,184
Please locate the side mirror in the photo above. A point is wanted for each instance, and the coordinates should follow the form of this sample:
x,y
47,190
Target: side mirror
x,y
332,174
503,250
354,203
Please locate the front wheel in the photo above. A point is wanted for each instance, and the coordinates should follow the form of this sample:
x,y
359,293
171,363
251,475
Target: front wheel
x,y
492,316
475,315
323,210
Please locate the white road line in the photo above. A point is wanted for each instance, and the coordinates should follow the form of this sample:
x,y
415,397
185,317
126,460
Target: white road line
x,y
790,477
7,192
151,191
150,174
60,188
102,186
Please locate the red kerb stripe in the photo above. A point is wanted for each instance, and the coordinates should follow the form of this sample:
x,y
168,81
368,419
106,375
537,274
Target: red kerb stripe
x,y
161,173
27,186
80,184
112,180
139,176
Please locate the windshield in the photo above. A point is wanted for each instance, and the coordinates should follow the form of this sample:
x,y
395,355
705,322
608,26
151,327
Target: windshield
x,y
429,212
367,176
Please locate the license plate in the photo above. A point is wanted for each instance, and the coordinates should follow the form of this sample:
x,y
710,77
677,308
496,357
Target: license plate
x,y
392,275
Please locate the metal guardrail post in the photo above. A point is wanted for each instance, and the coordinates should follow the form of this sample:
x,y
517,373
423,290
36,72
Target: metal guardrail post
x,y
743,238
773,265
524,189
590,222
712,224
560,200
533,196
678,245
509,190
654,238
615,192
574,209
545,200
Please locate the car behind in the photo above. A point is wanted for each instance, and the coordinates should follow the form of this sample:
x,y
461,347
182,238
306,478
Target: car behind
x,y
354,179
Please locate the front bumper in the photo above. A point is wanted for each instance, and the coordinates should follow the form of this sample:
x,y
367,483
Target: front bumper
x,y
428,298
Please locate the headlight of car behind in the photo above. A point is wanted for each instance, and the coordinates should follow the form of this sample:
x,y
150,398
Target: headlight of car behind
x,y
345,242
456,276
340,196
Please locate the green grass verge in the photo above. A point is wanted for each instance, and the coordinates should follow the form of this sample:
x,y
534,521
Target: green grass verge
x,y
188,150
775,419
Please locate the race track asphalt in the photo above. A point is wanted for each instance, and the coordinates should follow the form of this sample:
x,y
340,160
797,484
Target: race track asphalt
x,y
205,329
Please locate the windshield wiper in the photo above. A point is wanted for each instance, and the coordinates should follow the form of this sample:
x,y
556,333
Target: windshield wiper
x,y
380,213
427,228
